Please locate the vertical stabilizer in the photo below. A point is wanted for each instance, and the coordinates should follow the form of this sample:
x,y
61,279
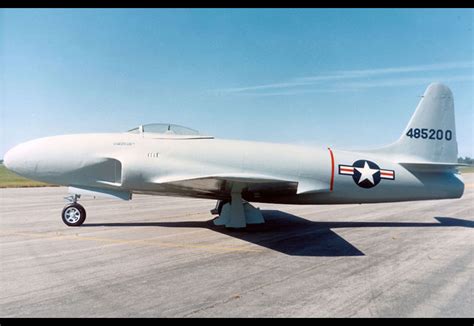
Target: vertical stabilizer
x,y
430,135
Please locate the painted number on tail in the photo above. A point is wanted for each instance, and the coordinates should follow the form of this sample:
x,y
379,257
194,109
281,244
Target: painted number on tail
x,y
435,134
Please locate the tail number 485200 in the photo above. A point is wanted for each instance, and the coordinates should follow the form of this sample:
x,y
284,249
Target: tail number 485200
x,y
435,134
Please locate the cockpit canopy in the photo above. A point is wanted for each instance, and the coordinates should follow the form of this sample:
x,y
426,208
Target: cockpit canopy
x,y
166,130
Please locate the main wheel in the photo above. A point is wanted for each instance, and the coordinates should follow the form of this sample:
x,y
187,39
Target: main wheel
x,y
73,214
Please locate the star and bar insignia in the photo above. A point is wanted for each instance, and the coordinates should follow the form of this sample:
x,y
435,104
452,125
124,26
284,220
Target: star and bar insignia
x,y
366,174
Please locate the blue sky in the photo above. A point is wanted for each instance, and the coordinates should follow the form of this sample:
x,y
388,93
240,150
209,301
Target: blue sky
x,y
346,78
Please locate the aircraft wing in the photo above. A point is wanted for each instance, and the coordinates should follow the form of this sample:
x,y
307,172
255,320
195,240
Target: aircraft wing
x,y
254,183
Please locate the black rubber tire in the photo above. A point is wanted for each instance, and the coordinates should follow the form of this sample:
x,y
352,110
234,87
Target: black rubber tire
x,y
80,209
221,204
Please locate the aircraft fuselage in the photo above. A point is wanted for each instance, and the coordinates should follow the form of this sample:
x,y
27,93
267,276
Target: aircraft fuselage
x,y
137,164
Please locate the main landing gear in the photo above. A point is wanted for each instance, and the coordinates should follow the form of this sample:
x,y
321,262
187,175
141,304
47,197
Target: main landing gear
x,y
73,214
219,205
237,213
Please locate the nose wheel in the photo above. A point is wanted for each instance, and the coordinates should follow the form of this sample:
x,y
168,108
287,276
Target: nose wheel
x,y
73,214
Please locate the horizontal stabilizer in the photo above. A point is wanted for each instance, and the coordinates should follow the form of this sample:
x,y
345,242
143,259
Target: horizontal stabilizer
x,y
431,166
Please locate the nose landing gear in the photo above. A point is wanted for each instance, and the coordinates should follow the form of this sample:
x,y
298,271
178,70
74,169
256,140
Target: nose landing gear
x,y
73,214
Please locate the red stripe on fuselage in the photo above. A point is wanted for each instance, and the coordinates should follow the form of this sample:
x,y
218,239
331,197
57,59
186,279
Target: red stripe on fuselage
x,y
331,185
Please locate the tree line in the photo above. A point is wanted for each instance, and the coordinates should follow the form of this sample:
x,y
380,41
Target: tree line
x,y
465,160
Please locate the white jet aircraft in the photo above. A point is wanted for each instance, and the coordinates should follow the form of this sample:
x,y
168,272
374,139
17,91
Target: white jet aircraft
x,y
170,160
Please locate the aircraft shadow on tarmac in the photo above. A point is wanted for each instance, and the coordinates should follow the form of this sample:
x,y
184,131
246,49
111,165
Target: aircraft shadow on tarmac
x,y
294,235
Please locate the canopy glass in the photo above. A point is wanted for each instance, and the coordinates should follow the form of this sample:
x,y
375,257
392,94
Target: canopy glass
x,y
164,128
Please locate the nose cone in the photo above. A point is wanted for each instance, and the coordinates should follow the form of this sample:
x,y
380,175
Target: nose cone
x,y
7,159
48,159
31,159
17,159
12,159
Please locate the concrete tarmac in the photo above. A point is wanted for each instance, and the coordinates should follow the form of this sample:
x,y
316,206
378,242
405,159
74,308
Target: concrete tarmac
x,y
163,257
